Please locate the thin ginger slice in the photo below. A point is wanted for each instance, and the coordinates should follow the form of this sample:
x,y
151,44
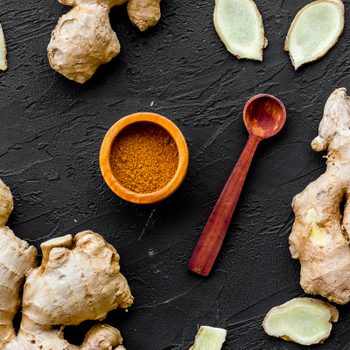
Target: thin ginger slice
x,y
209,338
314,31
240,27
305,321
3,51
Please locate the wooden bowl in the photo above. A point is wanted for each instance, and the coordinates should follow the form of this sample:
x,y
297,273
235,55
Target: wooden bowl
x,y
171,186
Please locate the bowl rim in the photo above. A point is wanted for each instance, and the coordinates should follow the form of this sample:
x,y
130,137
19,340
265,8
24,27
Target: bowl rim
x,y
105,151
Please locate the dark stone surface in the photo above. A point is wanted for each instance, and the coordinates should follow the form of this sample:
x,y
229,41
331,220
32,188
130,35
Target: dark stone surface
x,y
51,131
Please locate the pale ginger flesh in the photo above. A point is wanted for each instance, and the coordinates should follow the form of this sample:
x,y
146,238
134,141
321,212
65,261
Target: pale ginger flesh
x,y
79,279
240,27
305,321
84,39
209,338
314,31
3,50
320,234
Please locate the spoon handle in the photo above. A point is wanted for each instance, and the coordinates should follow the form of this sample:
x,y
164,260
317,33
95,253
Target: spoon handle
x,y
213,235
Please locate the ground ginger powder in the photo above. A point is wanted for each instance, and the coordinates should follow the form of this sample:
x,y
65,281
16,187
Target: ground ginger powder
x,y
144,157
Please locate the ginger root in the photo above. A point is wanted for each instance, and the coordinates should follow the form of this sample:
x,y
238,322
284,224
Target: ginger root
x,y
84,39
305,321
78,280
320,234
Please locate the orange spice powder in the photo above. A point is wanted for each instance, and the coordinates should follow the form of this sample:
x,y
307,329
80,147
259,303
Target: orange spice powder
x,y
144,157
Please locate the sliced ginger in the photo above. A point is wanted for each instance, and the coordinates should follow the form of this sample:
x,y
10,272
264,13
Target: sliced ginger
x,y
314,31
240,27
3,51
84,39
78,280
320,233
209,338
305,321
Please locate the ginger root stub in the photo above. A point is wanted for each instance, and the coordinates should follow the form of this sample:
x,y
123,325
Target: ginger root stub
x,y
84,39
320,234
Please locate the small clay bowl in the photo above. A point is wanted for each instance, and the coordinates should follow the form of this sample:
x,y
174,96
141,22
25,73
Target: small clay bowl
x,y
171,186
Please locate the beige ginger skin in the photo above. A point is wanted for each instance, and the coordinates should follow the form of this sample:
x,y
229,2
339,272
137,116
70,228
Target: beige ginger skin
x,y
78,280
84,39
320,234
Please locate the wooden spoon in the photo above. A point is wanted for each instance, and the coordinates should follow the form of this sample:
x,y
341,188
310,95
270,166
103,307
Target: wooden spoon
x,y
264,116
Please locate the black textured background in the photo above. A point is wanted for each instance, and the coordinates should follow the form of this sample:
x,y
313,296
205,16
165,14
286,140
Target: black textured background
x,y
50,134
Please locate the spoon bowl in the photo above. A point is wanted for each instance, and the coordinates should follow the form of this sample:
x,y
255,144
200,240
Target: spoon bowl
x,y
264,115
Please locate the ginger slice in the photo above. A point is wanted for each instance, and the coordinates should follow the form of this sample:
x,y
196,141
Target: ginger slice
x,y
314,31
209,338
305,321
240,27
3,51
